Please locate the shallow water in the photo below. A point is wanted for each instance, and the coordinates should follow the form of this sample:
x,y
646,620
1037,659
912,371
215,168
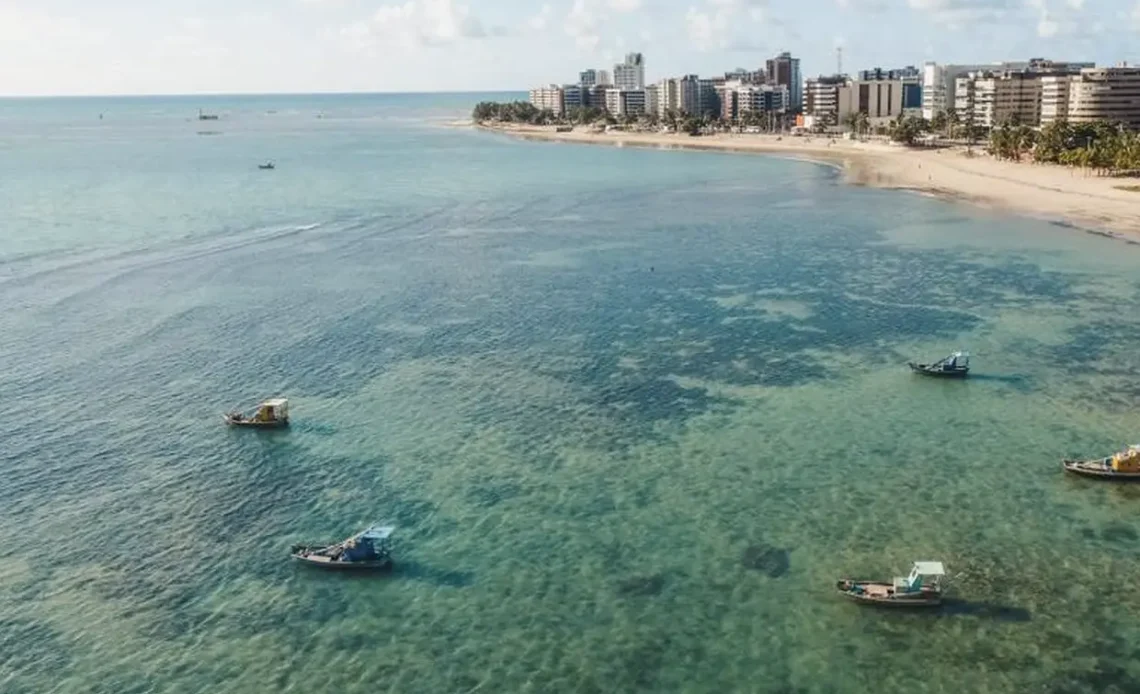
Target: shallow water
x,y
633,411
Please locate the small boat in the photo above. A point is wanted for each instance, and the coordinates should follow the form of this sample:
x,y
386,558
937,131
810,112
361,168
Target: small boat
x,y
1122,466
957,365
206,116
267,166
367,549
923,588
269,414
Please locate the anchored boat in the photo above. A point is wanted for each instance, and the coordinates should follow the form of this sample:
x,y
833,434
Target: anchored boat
x,y
957,365
367,549
922,588
1122,466
268,415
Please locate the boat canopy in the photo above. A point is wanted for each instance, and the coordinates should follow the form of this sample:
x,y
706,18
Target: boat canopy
x,y
376,532
929,568
1127,460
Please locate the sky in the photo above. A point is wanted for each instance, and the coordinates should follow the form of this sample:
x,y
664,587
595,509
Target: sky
x,y
88,47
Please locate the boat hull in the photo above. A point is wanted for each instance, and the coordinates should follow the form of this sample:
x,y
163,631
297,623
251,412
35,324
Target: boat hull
x,y
1096,469
323,562
254,424
927,370
883,595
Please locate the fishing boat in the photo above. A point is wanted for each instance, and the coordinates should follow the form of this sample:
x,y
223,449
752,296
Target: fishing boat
x,y
269,414
922,588
957,365
267,166
1122,466
367,549
202,115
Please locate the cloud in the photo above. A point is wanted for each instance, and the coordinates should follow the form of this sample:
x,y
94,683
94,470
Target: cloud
x,y
715,25
625,5
540,21
419,23
1046,27
583,24
957,13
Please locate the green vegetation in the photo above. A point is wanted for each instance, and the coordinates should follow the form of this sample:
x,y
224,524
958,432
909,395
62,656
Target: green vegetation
x,y
511,112
1102,146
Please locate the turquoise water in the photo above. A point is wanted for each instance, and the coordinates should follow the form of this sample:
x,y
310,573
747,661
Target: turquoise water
x,y
633,412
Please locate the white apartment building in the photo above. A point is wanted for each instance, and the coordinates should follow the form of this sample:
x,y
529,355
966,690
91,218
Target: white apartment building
x,y
625,102
668,95
939,83
994,98
821,99
1107,93
548,98
652,100
881,100
630,75
768,98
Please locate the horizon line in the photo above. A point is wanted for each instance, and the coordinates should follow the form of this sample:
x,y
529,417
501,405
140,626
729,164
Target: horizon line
x,y
209,95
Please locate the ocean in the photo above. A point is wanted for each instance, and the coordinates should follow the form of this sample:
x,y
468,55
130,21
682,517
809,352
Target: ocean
x,y
632,411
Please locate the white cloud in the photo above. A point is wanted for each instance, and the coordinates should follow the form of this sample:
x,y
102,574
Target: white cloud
x,y
956,14
1046,27
583,24
418,23
714,26
625,5
1076,4
540,21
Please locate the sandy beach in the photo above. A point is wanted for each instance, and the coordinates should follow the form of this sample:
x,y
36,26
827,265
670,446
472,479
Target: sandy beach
x,y
1054,193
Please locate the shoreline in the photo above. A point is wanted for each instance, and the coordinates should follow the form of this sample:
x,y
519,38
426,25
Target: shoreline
x,y
1058,195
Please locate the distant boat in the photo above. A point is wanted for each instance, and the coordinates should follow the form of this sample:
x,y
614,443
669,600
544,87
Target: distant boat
x,y
267,166
957,365
268,415
368,549
202,115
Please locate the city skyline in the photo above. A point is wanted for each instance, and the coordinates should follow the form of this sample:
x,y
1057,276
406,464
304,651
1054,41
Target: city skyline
x,y
68,47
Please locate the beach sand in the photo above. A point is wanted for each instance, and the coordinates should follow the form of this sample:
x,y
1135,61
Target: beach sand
x,y
1054,193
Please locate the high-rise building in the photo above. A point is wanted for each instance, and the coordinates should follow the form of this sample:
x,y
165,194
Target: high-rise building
x,y
668,95
548,98
881,100
630,74
821,99
991,98
707,101
652,100
690,95
594,78
785,70
572,97
625,102
1094,94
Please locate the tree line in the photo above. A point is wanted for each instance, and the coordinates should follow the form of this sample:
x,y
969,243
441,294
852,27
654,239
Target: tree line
x,y
1102,146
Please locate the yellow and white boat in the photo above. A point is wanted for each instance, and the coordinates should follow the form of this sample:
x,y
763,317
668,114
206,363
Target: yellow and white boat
x,y
268,415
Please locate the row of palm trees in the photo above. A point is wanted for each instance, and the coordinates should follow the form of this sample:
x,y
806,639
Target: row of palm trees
x,y
1103,147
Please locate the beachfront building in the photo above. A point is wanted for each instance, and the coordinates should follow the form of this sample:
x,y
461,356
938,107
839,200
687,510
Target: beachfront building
x,y
821,100
625,102
594,78
785,70
548,98
993,98
939,83
745,76
1108,93
727,96
652,100
1055,98
708,101
572,97
668,95
630,75
881,100
690,94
